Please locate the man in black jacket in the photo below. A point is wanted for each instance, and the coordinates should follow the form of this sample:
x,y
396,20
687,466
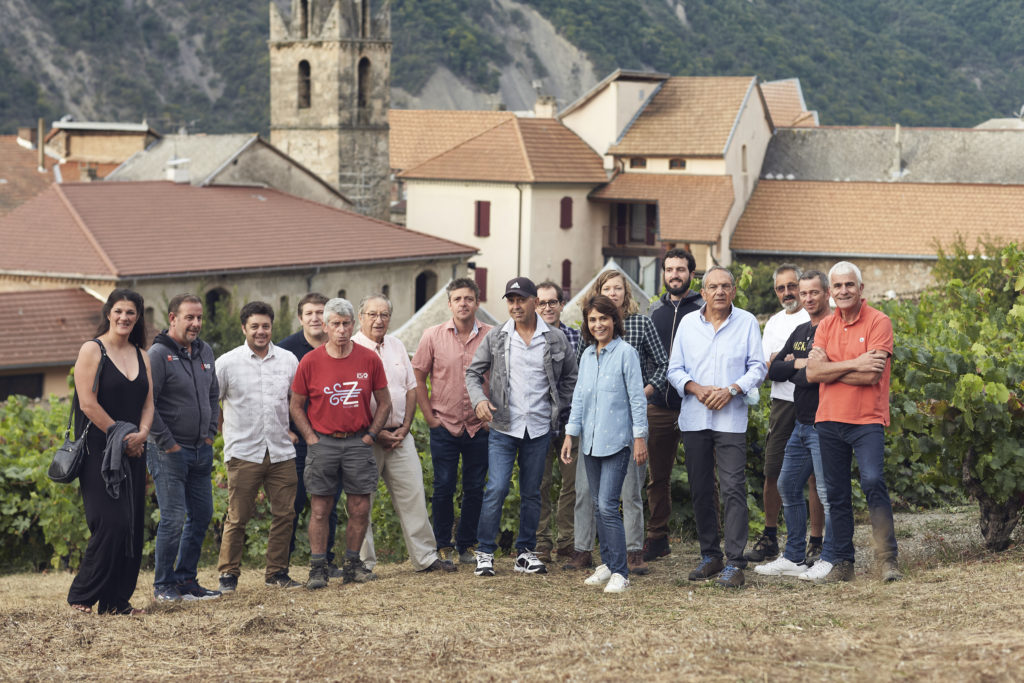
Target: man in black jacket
x,y
663,407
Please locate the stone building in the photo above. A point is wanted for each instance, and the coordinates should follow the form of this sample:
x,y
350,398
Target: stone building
x,y
330,82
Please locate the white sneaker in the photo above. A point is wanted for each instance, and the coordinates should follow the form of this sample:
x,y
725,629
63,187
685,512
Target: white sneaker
x,y
616,584
484,564
820,570
528,563
599,577
780,566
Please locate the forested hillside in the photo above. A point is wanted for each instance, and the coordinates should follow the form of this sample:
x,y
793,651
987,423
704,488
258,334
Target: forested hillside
x,y
204,65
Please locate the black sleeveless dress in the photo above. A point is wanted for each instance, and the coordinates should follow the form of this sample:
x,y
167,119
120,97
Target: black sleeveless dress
x,y
110,567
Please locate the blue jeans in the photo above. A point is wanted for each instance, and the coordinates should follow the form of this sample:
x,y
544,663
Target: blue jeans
x,y
803,457
501,457
184,493
300,504
606,475
839,442
445,450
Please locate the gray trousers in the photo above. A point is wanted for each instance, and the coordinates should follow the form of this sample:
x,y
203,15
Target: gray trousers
x,y
632,507
704,450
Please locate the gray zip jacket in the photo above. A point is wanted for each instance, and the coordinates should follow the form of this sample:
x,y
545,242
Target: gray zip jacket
x,y
185,393
493,356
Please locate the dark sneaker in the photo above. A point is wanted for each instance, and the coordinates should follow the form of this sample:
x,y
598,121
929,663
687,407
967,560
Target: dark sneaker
x,y
766,548
655,548
581,560
439,565
891,571
708,568
468,555
228,583
447,554
354,571
636,564
167,594
731,577
282,580
841,571
527,563
317,577
196,591
334,571
813,554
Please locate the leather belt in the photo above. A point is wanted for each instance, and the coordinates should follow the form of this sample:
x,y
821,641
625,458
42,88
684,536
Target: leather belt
x,y
346,435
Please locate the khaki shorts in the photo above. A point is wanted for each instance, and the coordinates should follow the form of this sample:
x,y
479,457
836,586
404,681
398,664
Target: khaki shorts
x,y
780,425
347,462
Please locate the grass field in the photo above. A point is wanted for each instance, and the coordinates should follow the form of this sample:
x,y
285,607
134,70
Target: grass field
x,y
958,615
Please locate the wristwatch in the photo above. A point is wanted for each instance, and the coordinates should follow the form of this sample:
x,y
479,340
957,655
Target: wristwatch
x,y
732,390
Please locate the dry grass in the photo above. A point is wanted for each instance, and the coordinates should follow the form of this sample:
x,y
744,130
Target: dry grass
x,y
957,616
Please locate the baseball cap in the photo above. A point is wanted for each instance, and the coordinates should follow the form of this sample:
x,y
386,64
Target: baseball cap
x,y
521,286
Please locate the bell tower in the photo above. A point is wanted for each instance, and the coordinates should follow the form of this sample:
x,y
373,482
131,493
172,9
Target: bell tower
x,y
330,90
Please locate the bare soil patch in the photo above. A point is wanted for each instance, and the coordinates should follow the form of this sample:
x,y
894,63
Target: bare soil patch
x,y
958,615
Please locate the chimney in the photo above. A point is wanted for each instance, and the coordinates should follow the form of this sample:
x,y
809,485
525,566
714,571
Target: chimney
x,y
41,146
544,107
177,171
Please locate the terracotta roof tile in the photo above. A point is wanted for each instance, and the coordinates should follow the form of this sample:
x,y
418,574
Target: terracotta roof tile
x,y
691,208
154,228
687,116
862,218
786,105
420,134
63,317
520,150
20,178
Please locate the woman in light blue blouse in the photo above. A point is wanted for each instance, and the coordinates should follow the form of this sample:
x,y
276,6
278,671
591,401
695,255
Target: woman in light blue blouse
x,y
609,414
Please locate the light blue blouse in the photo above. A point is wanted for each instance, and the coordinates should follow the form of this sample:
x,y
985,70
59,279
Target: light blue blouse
x,y
609,408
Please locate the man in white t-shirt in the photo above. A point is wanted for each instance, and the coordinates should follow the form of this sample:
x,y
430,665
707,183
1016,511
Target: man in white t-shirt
x,y
783,415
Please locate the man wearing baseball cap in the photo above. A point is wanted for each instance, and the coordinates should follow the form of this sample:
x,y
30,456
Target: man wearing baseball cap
x,y
532,373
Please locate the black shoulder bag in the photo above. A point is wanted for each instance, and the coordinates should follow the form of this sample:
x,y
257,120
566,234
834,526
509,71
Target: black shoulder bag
x,y
67,461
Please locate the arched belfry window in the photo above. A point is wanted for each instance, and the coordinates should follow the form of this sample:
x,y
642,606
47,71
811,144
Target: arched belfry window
x,y
305,84
363,90
303,19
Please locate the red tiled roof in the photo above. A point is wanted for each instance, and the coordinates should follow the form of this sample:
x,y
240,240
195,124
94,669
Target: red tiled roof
x,y
864,218
687,116
420,134
786,106
691,208
139,229
519,150
20,178
45,328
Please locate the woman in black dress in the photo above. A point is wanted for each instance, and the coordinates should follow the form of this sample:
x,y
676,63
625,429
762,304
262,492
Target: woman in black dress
x,y
110,568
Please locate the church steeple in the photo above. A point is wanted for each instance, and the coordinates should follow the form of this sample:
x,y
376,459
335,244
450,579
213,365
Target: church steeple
x,y
330,90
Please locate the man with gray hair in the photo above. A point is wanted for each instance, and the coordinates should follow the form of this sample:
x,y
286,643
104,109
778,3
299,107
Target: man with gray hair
x,y
331,407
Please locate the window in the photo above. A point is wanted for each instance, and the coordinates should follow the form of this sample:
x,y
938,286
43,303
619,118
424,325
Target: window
x,y
426,287
24,385
677,164
363,90
638,162
305,85
567,278
341,293
217,301
638,223
743,158
483,219
565,221
304,19
386,290
480,275
365,28
633,224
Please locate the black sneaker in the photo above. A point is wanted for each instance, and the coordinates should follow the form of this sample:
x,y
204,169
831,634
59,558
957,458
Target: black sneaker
x,y
813,554
708,568
282,580
192,587
655,548
766,548
439,565
334,571
355,571
228,583
317,576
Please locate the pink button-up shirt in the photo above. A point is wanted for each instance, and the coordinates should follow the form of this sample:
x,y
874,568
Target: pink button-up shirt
x,y
399,371
444,358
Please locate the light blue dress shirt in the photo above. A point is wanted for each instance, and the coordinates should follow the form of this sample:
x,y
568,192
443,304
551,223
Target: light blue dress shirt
x,y
609,408
730,355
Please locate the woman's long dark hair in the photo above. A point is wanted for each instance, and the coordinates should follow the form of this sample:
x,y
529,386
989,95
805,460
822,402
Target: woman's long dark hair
x,y
601,304
138,333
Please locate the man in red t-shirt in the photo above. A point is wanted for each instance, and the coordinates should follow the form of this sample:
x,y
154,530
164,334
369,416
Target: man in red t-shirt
x,y
851,361
330,406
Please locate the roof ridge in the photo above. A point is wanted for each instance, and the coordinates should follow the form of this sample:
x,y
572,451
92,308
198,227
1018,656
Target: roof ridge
x,y
85,229
531,176
452,149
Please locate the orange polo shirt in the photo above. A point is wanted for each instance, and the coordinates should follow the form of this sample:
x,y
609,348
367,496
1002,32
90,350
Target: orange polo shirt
x,y
855,404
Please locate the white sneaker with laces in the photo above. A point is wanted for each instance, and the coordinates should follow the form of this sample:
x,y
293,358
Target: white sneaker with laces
x,y
780,566
484,564
599,577
820,570
616,584
528,563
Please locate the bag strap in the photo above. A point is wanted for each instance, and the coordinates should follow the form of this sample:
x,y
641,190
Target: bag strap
x,y
103,358
95,388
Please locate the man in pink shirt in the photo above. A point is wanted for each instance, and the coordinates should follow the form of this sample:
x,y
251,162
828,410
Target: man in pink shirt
x,y
443,354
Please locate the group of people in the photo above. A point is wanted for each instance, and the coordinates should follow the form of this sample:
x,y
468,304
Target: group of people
x,y
329,409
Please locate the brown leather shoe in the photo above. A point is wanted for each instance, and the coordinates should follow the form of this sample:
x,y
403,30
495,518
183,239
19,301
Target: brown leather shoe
x,y
567,551
544,555
635,563
581,560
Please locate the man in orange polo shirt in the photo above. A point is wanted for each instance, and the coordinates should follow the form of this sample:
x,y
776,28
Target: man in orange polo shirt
x,y
851,361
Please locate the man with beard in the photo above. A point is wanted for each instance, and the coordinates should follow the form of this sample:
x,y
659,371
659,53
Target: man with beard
x,y
663,407
783,415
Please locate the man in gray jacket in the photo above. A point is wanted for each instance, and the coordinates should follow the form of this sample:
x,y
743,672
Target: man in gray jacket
x,y
532,375
185,394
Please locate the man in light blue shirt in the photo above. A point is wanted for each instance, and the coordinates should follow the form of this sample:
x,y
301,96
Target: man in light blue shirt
x,y
716,362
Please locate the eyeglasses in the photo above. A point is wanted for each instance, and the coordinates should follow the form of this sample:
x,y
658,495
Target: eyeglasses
x,y
791,287
549,303
373,315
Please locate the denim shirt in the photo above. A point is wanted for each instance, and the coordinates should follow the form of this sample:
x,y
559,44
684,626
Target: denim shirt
x,y
609,408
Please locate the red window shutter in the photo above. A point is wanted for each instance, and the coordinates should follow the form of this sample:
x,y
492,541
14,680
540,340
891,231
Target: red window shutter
x,y
567,278
652,222
566,218
483,219
481,281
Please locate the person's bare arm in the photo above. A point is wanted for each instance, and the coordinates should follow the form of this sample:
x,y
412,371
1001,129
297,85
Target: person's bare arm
x,y
423,399
297,409
380,416
135,443
390,438
868,365
86,367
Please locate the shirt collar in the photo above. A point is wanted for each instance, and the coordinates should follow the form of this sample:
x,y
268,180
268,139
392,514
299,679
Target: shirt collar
x,y
450,325
542,326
